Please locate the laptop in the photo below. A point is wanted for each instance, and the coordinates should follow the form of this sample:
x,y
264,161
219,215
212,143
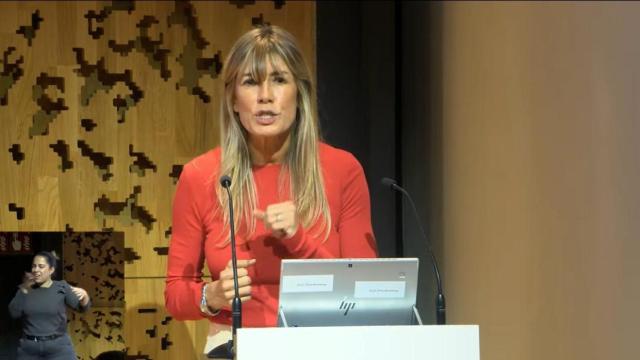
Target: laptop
x,y
348,292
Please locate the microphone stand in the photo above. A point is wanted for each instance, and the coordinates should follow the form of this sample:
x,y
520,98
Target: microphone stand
x,y
440,302
228,350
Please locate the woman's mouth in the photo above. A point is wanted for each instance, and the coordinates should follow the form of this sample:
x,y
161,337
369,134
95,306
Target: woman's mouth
x,y
266,117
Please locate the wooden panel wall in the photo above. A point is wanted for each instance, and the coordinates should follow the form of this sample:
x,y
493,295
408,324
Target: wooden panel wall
x,y
95,262
100,105
540,174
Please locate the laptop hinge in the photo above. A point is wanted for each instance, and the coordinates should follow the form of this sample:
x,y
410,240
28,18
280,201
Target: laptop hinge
x,y
283,319
416,317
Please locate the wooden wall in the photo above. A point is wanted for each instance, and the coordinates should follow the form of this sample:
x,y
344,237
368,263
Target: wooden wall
x,y
100,105
540,173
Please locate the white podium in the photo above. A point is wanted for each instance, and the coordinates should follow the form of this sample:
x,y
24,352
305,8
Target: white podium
x,y
427,342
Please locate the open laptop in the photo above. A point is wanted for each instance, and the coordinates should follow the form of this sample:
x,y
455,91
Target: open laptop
x,y
348,292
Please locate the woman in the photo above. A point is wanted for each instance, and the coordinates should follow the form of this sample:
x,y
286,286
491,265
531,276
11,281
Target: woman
x,y
40,303
294,196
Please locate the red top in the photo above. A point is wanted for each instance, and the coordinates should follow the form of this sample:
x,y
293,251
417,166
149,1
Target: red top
x,y
197,228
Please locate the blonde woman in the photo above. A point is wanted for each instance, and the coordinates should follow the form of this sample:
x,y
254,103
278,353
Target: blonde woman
x,y
294,196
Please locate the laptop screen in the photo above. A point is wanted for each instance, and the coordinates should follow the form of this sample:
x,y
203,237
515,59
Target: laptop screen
x,y
343,292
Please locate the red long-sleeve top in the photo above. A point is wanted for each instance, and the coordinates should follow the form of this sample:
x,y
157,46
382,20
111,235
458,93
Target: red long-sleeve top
x,y
197,228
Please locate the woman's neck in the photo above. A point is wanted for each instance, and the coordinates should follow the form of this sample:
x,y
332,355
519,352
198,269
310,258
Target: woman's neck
x,y
268,150
47,283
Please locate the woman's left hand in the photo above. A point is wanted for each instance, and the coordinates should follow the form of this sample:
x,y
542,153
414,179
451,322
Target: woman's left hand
x,y
82,295
280,218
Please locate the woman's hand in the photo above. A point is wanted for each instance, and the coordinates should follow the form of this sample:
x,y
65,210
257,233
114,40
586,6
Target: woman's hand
x,y
82,295
27,282
220,292
280,218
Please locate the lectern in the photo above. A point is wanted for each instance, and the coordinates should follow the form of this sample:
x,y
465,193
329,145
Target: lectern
x,y
406,342
354,309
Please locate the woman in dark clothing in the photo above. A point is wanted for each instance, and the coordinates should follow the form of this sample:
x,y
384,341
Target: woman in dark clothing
x,y
40,304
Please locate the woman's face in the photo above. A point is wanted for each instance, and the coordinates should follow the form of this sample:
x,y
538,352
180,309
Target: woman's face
x,y
267,109
41,270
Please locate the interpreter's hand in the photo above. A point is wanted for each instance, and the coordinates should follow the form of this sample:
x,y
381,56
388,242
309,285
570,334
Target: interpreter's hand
x,y
27,282
280,218
81,294
220,292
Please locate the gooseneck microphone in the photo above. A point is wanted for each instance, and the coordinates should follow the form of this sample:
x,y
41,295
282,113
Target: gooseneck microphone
x,y
228,350
440,303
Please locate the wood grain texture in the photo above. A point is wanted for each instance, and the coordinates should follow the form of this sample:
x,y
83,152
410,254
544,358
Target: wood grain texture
x,y
167,122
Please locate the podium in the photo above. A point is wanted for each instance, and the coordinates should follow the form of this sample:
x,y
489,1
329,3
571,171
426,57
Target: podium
x,y
407,342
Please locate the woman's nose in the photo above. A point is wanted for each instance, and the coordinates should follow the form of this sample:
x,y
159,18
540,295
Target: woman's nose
x,y
265,93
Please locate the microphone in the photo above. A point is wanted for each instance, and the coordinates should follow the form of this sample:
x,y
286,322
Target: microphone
x,y
440,303
227,351
225,181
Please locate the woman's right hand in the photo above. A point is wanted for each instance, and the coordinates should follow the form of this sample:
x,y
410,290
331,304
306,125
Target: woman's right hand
x,y
27,282
220,292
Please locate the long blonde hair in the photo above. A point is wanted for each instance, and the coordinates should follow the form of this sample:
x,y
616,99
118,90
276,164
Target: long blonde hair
x,y
251,53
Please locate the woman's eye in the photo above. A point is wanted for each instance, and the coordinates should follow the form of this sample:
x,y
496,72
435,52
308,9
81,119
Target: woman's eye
x,y
248,81
280,80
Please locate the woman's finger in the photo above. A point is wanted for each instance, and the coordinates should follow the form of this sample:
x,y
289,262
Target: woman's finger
x,y
242,291
243,281
229,295
279,218
242,263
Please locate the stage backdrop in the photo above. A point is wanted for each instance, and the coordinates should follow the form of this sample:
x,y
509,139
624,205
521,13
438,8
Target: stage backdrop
x,y
531,144
101,103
